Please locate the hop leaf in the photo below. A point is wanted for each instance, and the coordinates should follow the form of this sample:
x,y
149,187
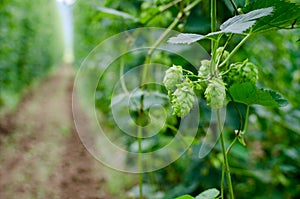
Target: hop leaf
x,y
183,99
215,93
173,77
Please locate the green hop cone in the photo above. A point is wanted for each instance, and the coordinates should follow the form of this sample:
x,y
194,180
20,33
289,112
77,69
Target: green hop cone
x,y
249,73
215,93
183,99
241,73
233,76
224,56
173,77
204,68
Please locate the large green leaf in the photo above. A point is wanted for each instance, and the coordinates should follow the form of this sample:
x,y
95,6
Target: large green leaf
x,y
249,94
185,197
240,23
237,24
285,15
208,194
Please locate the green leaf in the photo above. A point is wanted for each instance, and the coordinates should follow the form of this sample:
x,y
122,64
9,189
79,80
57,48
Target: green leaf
x,y
117,13
185,197
249,94
285,14
208,194
240,23
237,24
185,38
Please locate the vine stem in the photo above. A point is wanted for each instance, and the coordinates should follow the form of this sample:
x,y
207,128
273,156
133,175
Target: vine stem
x,y
151,50
234,6
235,49
222,182
140,166
143,81
226,165
213,22
246,2
246,119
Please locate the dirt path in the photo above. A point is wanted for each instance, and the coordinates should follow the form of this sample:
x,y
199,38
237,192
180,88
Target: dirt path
x,y
43,157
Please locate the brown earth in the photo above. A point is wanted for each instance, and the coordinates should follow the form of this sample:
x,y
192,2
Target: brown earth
x,y
41,155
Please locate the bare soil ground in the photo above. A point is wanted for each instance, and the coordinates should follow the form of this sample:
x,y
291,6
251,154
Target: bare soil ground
x,y
41,155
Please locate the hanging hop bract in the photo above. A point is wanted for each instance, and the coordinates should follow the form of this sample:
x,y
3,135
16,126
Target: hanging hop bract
x,y
180,90
183,99
215,93
241,73
173,77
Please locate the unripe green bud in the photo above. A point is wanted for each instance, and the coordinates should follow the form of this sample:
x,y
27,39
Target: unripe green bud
x,y
215,93
224,56
249,73
183,99
241,73
204,68
173,77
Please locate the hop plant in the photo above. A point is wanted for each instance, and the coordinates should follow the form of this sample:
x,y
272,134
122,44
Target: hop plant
x,y
219,53
215,93
173,77
249,73
204,68
183,99
241,73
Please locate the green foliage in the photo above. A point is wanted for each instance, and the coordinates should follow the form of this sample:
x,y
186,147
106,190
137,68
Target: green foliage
x,y
240,23
237,24
249,94
207,194
30,44
270,160
285,14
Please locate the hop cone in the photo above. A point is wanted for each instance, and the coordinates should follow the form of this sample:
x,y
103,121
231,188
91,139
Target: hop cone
x,y
204,68
241,73
224,56
215,94
173,77
249,73
183,99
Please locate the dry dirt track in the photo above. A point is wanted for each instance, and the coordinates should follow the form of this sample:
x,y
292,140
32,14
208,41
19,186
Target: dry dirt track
x,y
42,157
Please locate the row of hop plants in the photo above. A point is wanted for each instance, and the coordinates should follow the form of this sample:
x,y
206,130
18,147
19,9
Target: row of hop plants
x,y
31,44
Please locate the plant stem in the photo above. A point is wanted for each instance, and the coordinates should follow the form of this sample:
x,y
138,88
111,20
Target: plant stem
x,y
143,82
246,119
222,181
140,165
231,145
235,49
123,85
213,19
246,2
155,45
226,165
234,6
191,6
163,36
167,6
